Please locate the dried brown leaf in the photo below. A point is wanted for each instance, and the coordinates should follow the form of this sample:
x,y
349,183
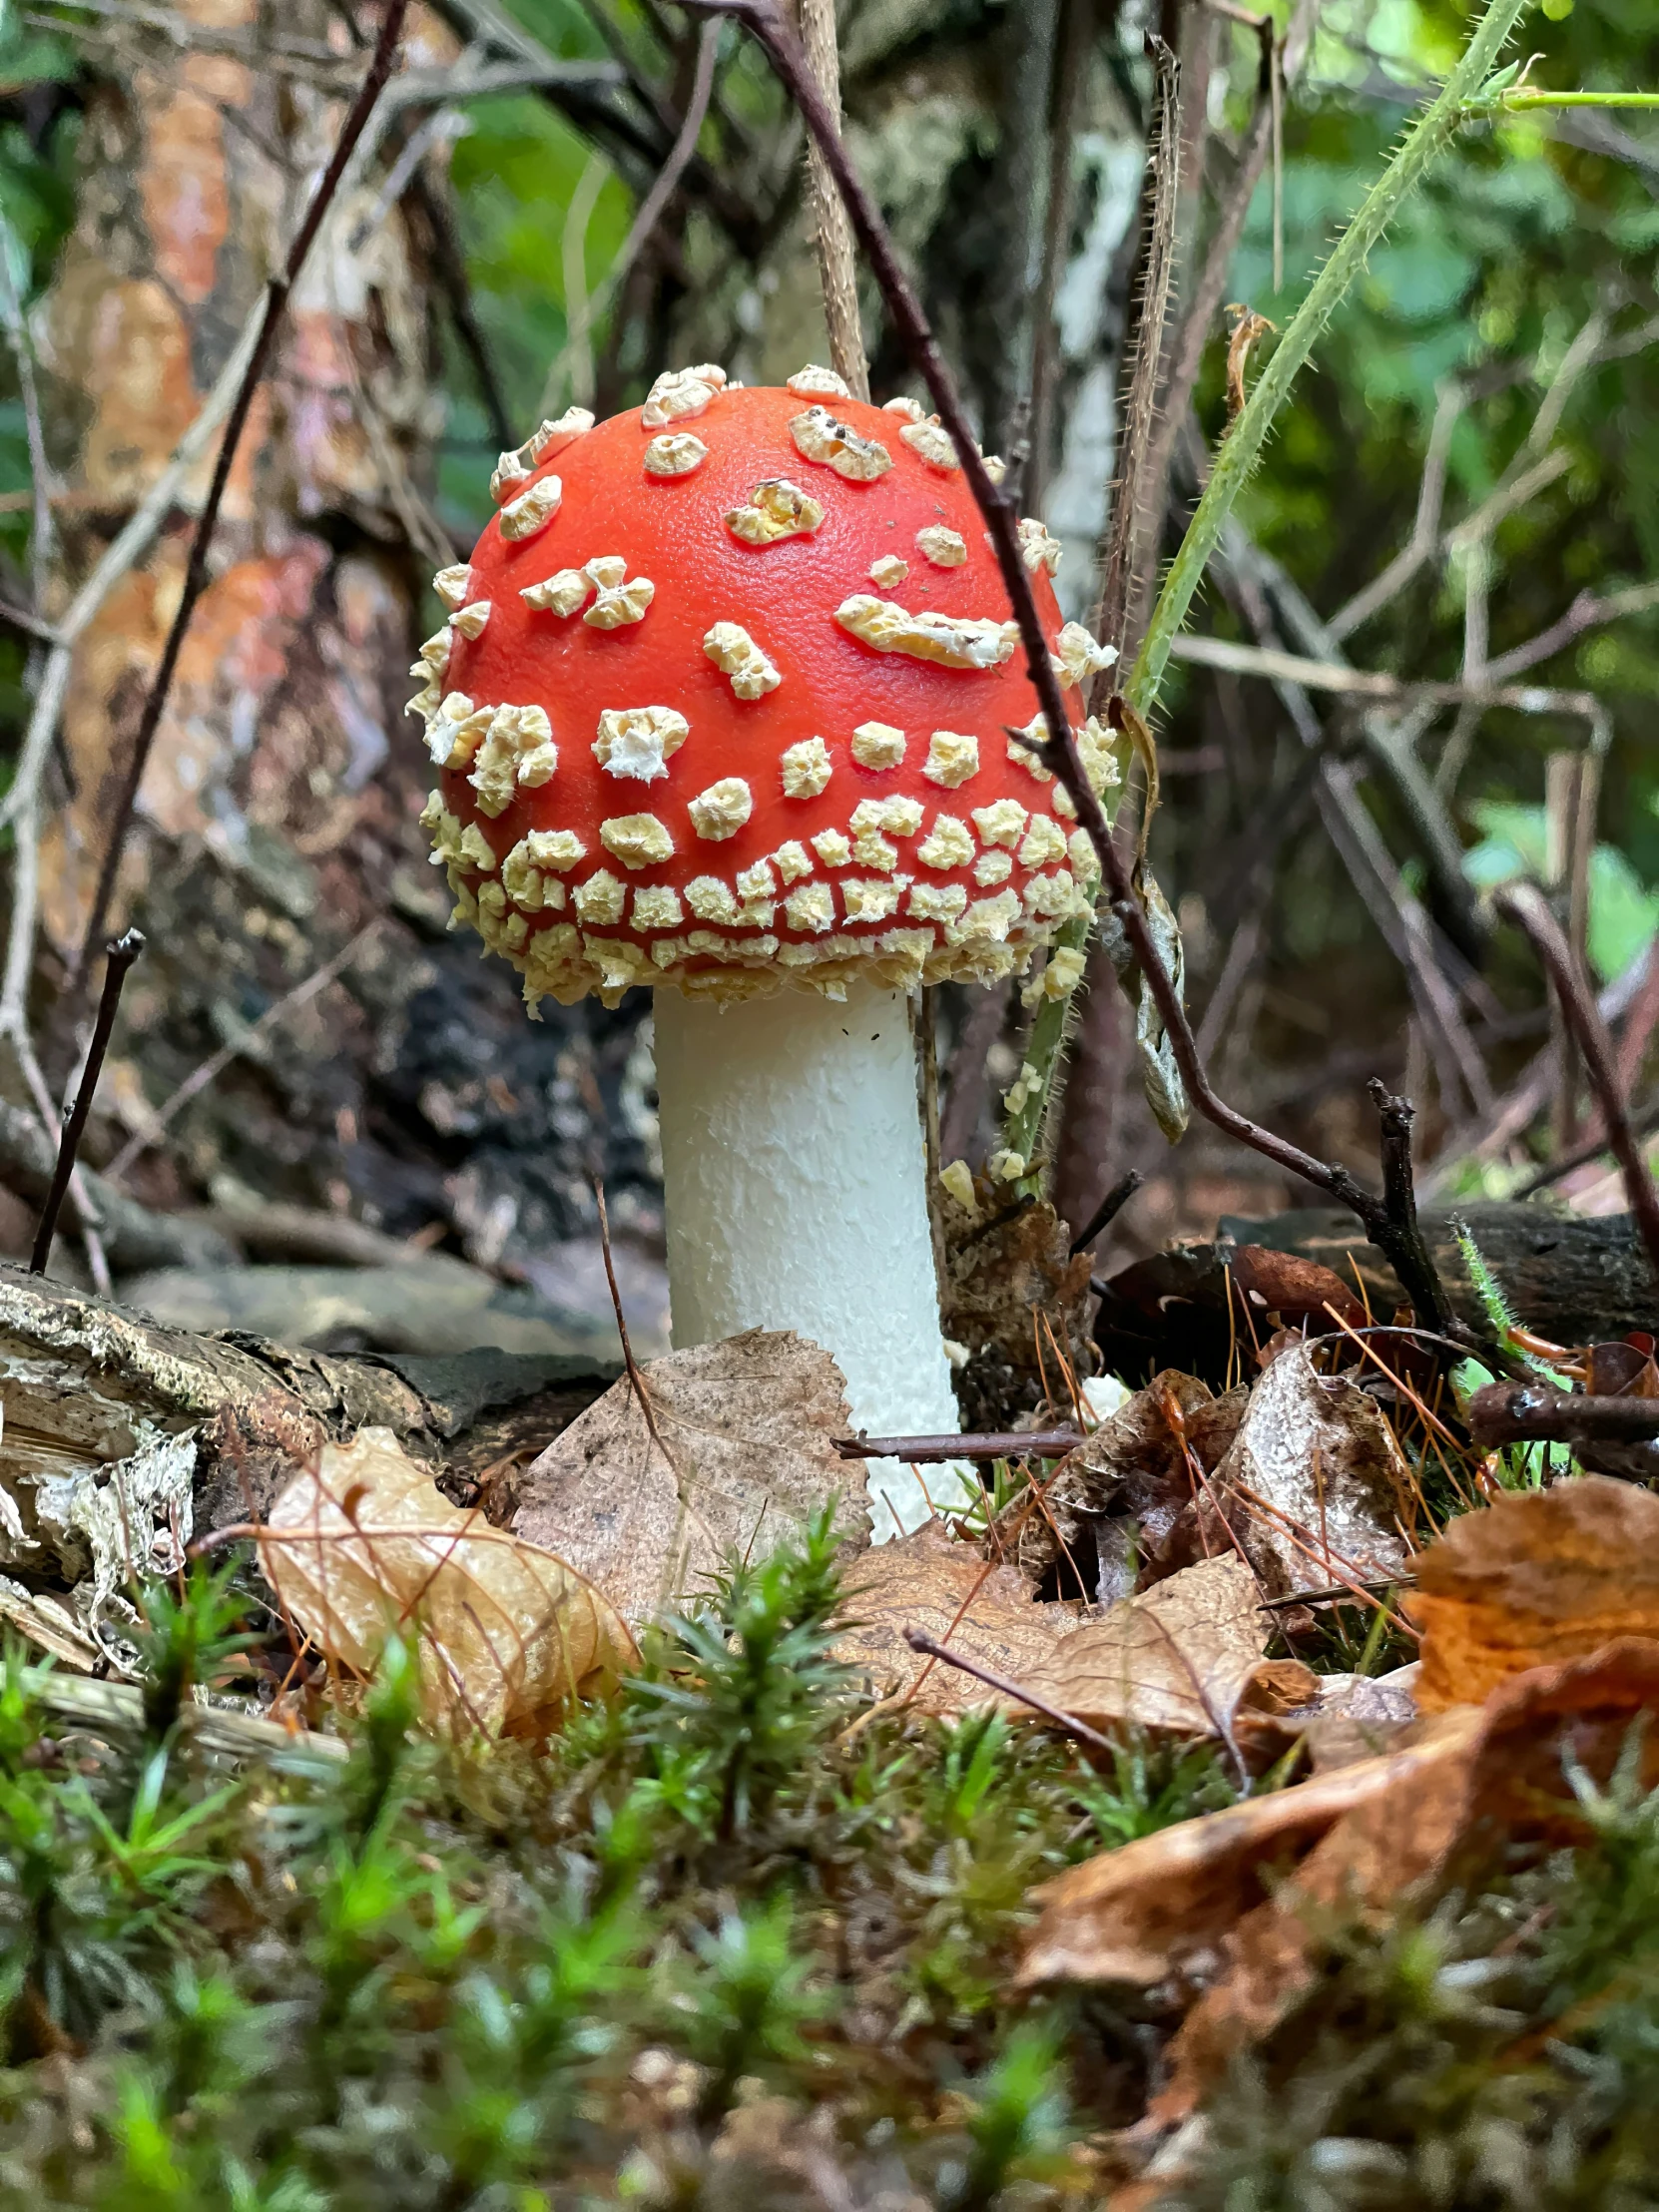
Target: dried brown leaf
x,y
1313,1483
1012,1283
1497,1780
1164,1904
1296,1289
508,1634
1177,1659
947,1590
747,1426
1538,1578
1133,1471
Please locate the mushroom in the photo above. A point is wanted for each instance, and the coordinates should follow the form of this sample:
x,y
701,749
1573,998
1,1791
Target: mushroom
x,y
686,740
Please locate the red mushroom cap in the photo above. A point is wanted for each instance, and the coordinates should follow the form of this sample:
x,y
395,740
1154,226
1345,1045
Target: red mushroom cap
x,y
723,705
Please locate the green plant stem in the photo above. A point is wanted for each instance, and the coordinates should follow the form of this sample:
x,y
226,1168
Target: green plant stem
x,y
1427,139
1526,97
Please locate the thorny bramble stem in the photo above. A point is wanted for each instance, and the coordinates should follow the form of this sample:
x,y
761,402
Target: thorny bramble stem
x,y
1525,905
1059,753
277,290
121,956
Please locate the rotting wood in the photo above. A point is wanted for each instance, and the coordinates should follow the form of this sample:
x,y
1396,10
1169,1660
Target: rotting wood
x,y
1571,1279
84,1381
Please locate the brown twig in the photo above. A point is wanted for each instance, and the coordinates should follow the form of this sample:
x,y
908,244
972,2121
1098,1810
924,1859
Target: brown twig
x,y
1423,1287
1533,1413
120,957
278,290
1059,753
931,1648
1013,1444
1525,905
635,1377
1116,1199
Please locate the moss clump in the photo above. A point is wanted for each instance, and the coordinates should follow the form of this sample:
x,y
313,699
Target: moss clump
x,y
710,1935
736,1942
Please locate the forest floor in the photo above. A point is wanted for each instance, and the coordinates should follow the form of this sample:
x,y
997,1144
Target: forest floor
x,y
1248,1803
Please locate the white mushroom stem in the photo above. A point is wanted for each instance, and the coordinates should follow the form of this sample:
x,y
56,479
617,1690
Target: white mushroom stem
x,y
794,1179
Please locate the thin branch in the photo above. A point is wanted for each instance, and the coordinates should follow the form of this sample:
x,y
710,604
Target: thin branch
x,y
1360,683
1586,613
277,290
1532,1412
1449,403
1107,1212
121,956
449,268
1525,905
1012,1443
931,1647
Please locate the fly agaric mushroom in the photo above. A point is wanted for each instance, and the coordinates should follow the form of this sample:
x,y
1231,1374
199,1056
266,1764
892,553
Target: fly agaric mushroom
x,y
723,706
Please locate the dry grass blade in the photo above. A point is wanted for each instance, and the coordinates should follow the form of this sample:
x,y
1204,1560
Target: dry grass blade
x,y
508,1634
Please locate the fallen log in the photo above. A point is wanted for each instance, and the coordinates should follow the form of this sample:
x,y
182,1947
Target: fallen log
x,y
1571,1279
118,1434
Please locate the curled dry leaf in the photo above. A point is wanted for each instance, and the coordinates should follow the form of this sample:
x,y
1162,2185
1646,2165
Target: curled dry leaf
x,y
1178,1659
1314,1485
1539,1577
741,1457
508,1634
1164,1904
1295,1289
1115,1499
928,1582
1485,1781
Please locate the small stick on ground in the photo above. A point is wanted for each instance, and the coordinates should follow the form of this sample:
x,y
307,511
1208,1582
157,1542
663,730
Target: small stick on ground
x,y
1422,1285
1013,1444
1533,1413
1525,905
121,956
931,1648
1116,1199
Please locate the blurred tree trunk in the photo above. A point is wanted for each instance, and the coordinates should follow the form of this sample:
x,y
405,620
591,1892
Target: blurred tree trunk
x,y
278,813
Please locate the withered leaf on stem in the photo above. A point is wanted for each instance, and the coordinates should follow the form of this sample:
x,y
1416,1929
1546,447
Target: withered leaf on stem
x,y
1177,1659
747,1425
1539,1577
507,1634
947,1589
